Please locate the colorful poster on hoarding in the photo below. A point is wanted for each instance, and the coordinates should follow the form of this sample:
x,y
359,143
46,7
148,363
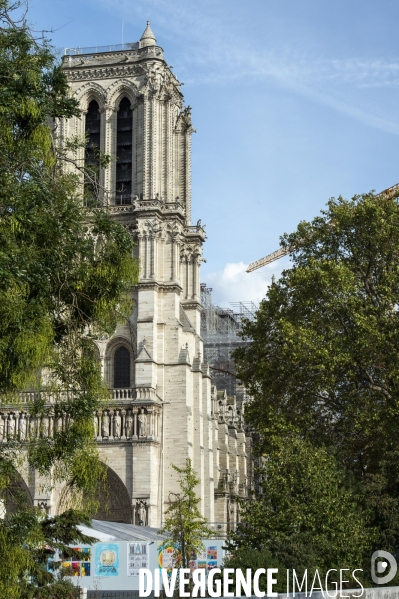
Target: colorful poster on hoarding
x,y
107,559
168,557
208,558
212,553
137,557
211,564
201,555
79,565
85,569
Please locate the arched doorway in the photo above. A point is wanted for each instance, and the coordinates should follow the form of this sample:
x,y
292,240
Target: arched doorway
x,y
113,498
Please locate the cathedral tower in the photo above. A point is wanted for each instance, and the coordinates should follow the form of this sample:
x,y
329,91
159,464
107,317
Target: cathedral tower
x,y
163,407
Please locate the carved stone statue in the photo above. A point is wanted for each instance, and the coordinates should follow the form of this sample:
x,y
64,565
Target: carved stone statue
x,y
58,423
141,512
96,424
105,425
22,427
142,418
32,427
42,505
68,420
1,428
129,426
45,426
11,426
117,425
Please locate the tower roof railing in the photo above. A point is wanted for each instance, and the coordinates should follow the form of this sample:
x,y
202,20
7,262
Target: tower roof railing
x,y
99,49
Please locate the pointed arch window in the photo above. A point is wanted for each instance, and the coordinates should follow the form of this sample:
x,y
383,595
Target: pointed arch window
x,y
122,368
92,132
124,146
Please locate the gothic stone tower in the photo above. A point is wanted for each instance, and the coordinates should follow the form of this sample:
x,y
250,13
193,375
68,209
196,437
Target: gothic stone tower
x,y
163,408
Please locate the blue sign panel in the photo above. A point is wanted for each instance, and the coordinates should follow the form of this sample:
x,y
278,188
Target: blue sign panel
x,y
107,559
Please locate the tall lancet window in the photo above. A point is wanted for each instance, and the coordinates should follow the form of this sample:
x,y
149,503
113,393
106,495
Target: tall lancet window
x,y
92,132
122,368
124,144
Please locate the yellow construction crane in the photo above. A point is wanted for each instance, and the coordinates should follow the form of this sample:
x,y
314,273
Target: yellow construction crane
x,y
386,194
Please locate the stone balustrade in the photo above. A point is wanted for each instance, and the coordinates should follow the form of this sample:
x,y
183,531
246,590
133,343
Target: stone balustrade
x,y
134,204
123,393
50,398
27,397
131,422
19,424
196,229
137,423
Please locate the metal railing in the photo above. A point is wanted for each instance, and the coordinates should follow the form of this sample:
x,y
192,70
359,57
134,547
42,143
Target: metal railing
x,y
100,49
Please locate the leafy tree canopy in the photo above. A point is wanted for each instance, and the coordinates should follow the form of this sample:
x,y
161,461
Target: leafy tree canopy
x,y
323,359
66,271
304,516
35,544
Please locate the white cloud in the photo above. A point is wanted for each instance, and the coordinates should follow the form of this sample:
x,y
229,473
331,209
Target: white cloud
x,y
234,284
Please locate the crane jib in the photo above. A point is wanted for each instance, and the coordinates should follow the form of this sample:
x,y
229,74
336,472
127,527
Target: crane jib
x,y
386,194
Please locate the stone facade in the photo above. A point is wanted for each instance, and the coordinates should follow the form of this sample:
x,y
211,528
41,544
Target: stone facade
x,y
168,409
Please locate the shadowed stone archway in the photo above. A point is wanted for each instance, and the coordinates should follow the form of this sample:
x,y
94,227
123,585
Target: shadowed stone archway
x,y
114,500
17,495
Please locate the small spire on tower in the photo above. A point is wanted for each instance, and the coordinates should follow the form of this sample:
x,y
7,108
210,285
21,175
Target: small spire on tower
x,y
148,38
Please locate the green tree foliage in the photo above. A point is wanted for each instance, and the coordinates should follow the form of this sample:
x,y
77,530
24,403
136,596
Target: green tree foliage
x,y
66,271
249,558
35,544
304,517
323,359
185,527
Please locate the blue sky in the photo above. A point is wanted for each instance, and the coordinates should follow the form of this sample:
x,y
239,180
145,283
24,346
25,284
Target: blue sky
x,y
294,101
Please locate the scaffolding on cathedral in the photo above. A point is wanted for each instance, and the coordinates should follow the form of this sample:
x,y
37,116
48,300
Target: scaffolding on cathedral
x,y
220,328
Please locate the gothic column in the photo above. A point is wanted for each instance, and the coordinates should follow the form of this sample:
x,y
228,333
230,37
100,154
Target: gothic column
x,y
80,131
135,429
187,173
152,241
123,424
196,277
149,166
108,146
172,257
146,252
150,432
168,191
187,276
135,125
142,240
